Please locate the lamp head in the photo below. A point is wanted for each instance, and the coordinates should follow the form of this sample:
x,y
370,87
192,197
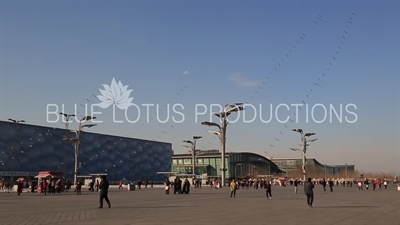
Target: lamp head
x,y
298,130
188,141
214,132
309,134
85,118
89,125
235,109
206,123
197,137
233,104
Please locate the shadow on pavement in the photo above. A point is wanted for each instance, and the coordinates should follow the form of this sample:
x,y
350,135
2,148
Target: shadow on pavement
x,y
153,207
346,206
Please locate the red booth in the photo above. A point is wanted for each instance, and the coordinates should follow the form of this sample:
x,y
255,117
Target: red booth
x,y
49,175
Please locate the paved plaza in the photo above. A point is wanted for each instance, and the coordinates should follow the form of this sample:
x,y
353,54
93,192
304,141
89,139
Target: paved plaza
x,y
205,206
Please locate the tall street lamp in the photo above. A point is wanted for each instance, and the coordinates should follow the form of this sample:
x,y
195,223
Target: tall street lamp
x,y
77,140
228,109
269,165
193,147
67,119
303,137
16,122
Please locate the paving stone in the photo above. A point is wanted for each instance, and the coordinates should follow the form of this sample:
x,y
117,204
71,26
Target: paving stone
x,y
204,206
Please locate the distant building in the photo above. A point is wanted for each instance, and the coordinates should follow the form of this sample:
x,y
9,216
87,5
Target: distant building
x,y
294,165
238,164
40,148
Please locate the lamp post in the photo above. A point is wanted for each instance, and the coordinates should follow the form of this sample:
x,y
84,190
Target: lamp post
x,y
325,172
269,165
303,137
67,117
346,170
77,140
16,122
221,133
193,147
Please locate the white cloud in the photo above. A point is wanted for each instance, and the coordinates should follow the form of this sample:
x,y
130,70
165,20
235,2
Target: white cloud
x,y
242,81
186,72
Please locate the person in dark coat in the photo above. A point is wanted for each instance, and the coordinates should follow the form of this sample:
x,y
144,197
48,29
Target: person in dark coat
x,y
268,188
331,185
308,190
186,186
104,191
177,184
324,184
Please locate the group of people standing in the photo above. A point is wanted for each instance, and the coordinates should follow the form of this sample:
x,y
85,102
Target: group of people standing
x,y
267,185
180,187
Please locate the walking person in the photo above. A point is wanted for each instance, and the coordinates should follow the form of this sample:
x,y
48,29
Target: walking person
x,y
268,187
104,191
308,190
385,184
97,185
331,185
296,184
233,188
19,187
366,182
78,187
360,187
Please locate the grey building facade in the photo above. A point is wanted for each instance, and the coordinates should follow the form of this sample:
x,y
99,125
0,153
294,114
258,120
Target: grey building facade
x,y
238,164
293,165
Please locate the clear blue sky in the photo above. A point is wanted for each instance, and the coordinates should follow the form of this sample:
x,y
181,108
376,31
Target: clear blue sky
x,y
63,52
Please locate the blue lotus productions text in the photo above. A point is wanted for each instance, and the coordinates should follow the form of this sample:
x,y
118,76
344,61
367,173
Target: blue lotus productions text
x,y
262,113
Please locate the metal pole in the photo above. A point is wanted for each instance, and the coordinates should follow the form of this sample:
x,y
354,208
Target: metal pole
x,y
304,157
76,162
194,156
223,133
269,170
77,152
65,148
346,170
13,152
325,171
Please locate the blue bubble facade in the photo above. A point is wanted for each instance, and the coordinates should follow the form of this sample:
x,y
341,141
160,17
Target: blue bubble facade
x,y
39,148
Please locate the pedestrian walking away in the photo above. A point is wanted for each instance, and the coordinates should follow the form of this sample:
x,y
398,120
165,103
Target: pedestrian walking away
x,y
296,183
331,185
104,185
268,187
309,192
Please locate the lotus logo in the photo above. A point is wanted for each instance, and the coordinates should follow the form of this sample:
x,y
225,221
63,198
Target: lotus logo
x,y
116,94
